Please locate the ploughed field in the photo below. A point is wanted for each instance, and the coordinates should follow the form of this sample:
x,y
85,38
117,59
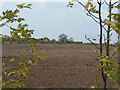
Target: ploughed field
x,y
66,66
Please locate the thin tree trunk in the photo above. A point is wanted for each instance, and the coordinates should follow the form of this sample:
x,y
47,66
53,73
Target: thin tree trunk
x,y
101,32
119,56
108,32
100,28
108,37
119,45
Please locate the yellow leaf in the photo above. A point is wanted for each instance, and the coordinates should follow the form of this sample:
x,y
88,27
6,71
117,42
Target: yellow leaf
x,y
94,39
29,62
92,86
108,22
12,80
108,39
11,60
27,68
3,64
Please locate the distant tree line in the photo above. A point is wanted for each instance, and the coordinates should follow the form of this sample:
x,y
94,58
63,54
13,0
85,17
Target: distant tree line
x,y
63,38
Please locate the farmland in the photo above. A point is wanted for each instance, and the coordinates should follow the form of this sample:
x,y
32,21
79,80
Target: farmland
x,y
66,66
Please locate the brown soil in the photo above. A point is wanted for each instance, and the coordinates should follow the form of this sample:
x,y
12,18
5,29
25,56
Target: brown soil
x,y
67,66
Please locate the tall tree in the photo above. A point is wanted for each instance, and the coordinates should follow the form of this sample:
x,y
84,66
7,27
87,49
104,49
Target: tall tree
x,y
63,38
108,24
71,39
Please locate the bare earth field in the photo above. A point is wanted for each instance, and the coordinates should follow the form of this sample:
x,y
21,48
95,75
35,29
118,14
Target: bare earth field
x,y
67,66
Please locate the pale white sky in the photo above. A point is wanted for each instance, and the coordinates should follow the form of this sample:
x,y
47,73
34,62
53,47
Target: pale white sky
x,y
50,19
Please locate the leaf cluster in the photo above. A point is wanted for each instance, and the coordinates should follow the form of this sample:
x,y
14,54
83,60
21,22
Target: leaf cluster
x,y
19,69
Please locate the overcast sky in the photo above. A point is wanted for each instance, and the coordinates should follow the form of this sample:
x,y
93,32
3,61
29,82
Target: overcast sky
x,y
50,19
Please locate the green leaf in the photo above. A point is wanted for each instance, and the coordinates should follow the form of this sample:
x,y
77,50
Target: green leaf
x,y
96,78
36,52
44,56
16,11
20,63
12,29
3,64
25,25
22,84
20,6
92,86
3,13
95,51
38,57
1,25
24,75
27,7
12,74
20,24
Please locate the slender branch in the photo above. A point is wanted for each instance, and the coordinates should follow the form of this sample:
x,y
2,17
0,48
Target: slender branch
x,y
114,53
111,29
97,21
106,2
91,15
87,10
102,3
98,2
110,86
27,49
104,40
104,24
110,34
92,18
111,4
6,23
104,28
0,20
31,57
92,42
115,3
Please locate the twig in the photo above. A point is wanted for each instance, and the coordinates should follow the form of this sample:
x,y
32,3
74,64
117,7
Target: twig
x,y
104,39
91,15
114,53
106,2
87,10
98,2
115,3
92,42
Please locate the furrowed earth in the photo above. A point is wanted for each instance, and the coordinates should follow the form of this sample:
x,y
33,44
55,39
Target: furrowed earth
x,y
66,66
